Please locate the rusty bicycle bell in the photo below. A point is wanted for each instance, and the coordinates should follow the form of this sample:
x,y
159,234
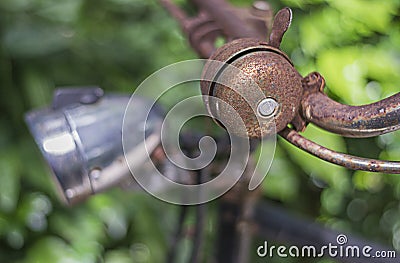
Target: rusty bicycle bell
x,y
270,68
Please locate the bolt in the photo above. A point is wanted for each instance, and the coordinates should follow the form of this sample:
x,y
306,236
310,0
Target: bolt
x,y
92,97
70,193
95,173
267,107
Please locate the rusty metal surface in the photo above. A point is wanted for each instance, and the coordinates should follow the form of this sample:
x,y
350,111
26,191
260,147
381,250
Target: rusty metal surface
x,y
201,30
301,100
223,15
269,76
250,56
202,33
273,73
217,18
282,21
342,159
350,121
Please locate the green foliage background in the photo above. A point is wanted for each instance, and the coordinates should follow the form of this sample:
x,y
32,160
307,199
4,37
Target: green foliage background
x,y
354,44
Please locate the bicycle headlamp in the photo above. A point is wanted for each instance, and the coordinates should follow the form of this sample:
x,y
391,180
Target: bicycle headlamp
x,y
80,137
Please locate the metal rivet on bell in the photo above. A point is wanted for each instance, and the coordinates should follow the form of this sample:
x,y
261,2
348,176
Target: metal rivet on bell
x,y
267,107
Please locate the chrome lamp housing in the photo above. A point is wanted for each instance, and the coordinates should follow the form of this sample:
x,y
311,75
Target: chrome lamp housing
x,y
80,137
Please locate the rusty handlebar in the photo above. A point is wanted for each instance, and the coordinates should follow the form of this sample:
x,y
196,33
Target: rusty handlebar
x,y
353,121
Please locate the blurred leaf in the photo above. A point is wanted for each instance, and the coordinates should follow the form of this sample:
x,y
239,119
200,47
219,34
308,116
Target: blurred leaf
x,y
37,88
119,256
15,237
33,211
39,175
334,28
335,176
32,39
282,182
80,226
375,14
15,5
344,73
10,181
332,201
372,182
3,225
83,231
301,3
52,250
65,11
